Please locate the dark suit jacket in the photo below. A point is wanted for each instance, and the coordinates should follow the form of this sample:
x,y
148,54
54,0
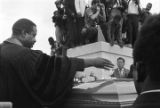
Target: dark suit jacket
x,y
116,73
148,100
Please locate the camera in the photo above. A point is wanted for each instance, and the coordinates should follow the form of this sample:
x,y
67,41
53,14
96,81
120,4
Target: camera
x,y
136,2
100,5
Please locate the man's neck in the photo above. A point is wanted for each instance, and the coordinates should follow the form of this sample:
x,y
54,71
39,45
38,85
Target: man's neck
x,y
150,85
14,40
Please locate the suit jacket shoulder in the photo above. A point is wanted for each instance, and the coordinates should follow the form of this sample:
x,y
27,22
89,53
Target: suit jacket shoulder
x,y
126,70
148,100
117,74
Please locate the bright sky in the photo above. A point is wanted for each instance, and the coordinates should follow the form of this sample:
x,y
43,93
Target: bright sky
x,y
40,12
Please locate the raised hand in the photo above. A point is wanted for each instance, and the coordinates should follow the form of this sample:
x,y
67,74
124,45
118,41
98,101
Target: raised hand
x,y
99,63
103,63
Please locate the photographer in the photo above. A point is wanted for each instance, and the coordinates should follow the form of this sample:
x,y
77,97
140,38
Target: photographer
x,y
57,49
94,15
60,21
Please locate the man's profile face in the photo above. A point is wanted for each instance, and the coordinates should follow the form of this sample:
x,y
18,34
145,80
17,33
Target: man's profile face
x,y
120,63
29,38
149,6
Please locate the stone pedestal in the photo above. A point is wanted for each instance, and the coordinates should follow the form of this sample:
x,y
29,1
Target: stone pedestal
x,y
119,93
104,50
104,92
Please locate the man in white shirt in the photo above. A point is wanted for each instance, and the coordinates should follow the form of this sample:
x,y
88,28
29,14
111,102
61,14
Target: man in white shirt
x,y
80,6
132,20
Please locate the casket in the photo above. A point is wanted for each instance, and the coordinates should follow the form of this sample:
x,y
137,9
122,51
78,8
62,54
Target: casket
x,y
118,93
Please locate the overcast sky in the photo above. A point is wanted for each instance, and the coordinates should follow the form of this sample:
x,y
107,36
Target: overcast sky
x,y
40,12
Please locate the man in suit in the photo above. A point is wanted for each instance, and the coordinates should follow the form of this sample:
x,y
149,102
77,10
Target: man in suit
x,y
132,20
121,71
147,57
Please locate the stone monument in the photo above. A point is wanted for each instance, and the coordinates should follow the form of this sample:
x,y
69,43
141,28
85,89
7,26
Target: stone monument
x,y
105,92
104,50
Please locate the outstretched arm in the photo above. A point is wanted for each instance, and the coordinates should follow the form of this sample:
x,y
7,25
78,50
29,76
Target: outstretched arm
x,y
99,63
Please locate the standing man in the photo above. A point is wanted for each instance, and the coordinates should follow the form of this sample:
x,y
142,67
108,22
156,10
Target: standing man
x,y
32,79
132,21
59,20
121,71
114,30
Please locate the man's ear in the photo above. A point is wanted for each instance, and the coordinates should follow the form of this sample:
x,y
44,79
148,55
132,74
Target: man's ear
x,y
140,76
24,34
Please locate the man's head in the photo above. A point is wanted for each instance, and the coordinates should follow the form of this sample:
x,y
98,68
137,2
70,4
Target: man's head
x,y
147,47
95,3
120,62
58,3
117,19
149,6
25,31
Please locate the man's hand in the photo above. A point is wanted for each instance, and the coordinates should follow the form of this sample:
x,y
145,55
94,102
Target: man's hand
x,y
103,63
98,9
99,63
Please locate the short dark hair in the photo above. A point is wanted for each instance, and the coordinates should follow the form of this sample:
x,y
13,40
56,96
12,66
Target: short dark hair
x,y
95,1
23,24
120,58
117,18
149,3
147,47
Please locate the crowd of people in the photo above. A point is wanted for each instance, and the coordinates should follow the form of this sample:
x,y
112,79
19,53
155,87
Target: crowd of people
x,y
77,23
32,79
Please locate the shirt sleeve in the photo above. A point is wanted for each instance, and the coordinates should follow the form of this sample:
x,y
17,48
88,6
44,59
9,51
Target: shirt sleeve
x,y
53,77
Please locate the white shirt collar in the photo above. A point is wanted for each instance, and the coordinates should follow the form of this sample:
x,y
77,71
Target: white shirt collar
x,y
121,69
150,91
14,41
